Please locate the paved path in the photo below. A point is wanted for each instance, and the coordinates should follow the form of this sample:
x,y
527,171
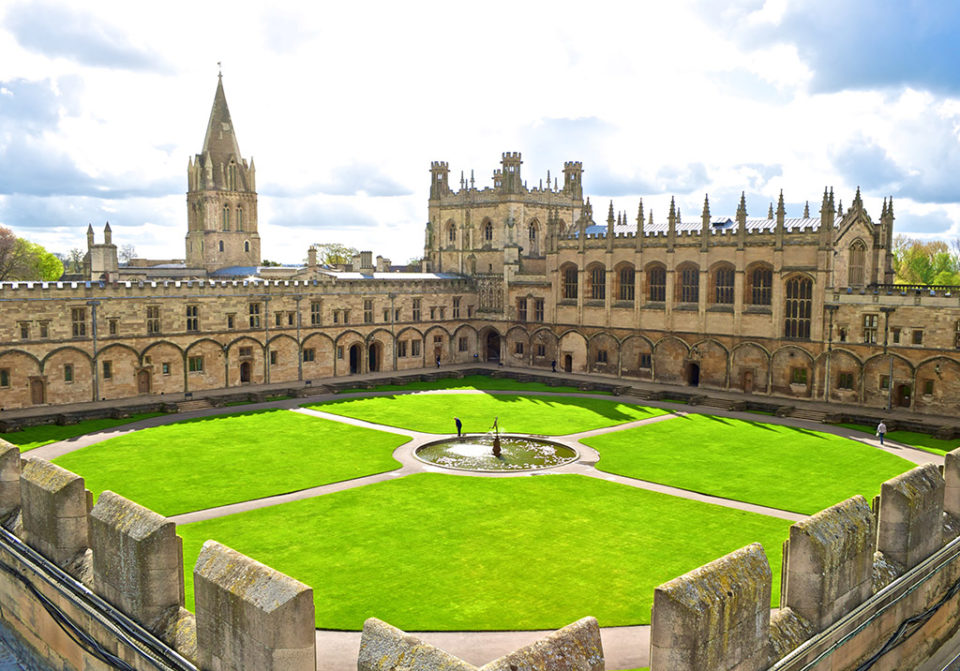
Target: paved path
x,y
624,647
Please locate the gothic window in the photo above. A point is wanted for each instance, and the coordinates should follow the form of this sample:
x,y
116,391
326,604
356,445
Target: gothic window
x,y
723,286
689,284
871,323
858,253
193,317
626,277
657,284
153,319
598,282
226,218
239,218
232,176
451,233
570,281
254,313
533,240
761,286
220,246
521,309
246,245
799,306
488,231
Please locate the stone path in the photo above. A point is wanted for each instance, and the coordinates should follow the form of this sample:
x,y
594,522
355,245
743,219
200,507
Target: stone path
x,y
624,647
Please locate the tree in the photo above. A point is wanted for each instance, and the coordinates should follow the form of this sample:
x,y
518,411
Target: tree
x,y
21,259
75,256
266,263
919,262
415,264
334,253
127,253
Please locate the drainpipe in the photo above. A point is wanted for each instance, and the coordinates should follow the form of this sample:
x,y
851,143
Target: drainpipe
x,y
886,333
826,380
298,298
93,333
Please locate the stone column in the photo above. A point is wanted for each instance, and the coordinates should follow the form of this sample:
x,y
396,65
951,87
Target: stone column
x,y
911,507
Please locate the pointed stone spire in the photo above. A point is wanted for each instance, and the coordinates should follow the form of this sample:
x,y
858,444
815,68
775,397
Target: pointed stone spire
x,y
650,220
220,142
770,211
610,213
781,210
705,223
672,219
857,201
640,225
890,208
742,221
826,220
781,217
840,208
89,235
806,210
883,211
107,235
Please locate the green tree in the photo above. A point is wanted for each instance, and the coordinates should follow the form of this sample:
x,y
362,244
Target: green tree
x,y
334,253
21,259
919,262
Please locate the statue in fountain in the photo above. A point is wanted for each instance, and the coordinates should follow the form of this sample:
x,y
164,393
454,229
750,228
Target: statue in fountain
x,y
496,438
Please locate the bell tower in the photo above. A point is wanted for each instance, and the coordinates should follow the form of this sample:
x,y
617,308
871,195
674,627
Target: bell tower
x,y
221,198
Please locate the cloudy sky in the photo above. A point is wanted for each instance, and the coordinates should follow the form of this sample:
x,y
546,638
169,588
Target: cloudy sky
x,y
344,105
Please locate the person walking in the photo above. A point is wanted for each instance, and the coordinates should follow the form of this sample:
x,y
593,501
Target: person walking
x,y
459,424
553,365
881,430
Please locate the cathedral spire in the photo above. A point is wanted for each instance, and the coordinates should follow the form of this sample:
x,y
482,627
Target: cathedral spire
x,y
220,142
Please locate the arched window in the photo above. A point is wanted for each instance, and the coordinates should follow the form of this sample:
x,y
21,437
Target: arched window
x,y
232,176
220,246
723,286
451,233
799,306
246,245
598,282
239,218
760,286
689,284
226,218
626,277
533,240
657,284
570,280
488,231
858,253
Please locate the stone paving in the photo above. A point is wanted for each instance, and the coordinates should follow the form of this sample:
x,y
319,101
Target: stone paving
x,y
624,647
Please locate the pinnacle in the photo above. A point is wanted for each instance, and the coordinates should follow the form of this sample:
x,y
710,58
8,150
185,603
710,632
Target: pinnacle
x,y
220,142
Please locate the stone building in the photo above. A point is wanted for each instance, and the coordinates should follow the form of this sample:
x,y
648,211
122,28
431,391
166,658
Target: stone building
x,y
794,307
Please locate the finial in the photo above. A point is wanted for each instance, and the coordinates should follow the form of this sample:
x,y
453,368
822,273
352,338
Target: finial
x,y
839,207
219,70
770,211
806,210
706,205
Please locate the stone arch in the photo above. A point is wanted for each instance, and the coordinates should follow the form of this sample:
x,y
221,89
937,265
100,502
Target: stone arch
x,y
721,278
533,240
937,385
636,356
713,360
464,352
655,281
786,365
213,357
79,388
318,363
569,281
283,358
491,344
877,368
118,365
518,345
543,348
798,293
686,283
247,361
436,343
624,282
857,263
603,354
758,284
595,282
166,361
573,352
750,367
348,334
160,343
669,355
846,375
487,233
450,234
384,357
23,370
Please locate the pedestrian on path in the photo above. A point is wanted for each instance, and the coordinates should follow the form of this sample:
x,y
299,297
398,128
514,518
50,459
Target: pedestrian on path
x,y
459,424
553,365
881,429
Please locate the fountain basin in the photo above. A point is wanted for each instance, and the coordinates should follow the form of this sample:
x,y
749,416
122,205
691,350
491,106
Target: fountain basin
x,y
475,453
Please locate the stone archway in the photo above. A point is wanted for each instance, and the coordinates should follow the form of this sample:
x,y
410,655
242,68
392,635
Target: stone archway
x,y
143,382
245,372
354,359
693,374
38,392
373,357
493,346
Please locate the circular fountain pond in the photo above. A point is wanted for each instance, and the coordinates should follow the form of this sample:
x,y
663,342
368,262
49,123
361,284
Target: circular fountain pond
x,y
476,453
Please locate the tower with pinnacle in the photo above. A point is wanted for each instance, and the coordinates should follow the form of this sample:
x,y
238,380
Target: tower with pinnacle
x,y
221,198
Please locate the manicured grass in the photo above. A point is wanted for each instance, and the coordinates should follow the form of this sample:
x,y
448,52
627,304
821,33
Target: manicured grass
x,y
921,441
213,461
443,552
778,466
472,382
544,415
36,436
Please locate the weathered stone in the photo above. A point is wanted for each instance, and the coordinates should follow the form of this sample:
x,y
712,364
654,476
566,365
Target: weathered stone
x,y
386,648
951,481
250,616
911,508
9,479
137,559
715,617
576,647
787,631
54,505
830,562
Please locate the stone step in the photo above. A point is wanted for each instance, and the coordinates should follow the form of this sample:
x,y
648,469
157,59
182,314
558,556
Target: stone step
x,y
192,406
812,415
724,403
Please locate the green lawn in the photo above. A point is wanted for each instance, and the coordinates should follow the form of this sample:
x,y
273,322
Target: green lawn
x,y
35,436
472,382
767,464
544,415
921,441
443,552
207,462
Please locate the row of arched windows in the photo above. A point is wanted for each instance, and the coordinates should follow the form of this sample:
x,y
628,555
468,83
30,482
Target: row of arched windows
x,y
225,223
532,235
758,289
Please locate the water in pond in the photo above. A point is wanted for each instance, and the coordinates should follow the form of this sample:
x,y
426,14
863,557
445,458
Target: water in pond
x,y
475,453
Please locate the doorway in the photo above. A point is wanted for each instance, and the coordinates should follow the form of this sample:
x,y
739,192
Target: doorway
x,y
902,397
38,392
568,363
354,359
748,382
373,357
245,372
143,382
693,374
493,346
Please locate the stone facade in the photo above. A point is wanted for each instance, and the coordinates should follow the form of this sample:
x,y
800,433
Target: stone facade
x,y
794,307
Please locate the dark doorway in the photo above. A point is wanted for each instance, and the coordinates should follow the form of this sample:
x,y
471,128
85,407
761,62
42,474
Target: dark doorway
x,y
568,363
493,346
693,374
902,397
354,359
37,392
374,357
245,372
748,382
143,382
